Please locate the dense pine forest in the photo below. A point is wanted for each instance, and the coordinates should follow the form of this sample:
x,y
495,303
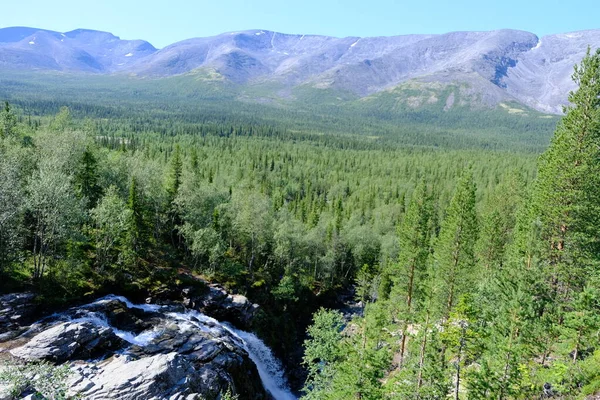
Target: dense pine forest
x,y
475,261
489,300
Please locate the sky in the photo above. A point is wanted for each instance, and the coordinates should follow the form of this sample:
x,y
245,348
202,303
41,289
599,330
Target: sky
x,y
162,22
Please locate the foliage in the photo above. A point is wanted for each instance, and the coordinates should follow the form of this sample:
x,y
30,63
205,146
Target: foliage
x,y
46,380
477,274
505,291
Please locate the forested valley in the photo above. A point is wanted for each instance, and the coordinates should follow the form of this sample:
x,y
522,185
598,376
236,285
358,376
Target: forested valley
x,y
475,266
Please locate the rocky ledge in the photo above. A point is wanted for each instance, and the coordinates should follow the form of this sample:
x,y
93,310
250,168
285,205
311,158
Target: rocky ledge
x,y
210,299
118,350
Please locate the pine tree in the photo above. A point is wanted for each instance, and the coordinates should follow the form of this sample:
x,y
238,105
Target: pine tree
x,y
567,192
8,121
86,178
365,359
175,173
414,236
557,237
455,248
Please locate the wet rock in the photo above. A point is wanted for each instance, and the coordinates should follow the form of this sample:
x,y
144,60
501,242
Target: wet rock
x,y
221,305
210,299
17,310
69,340
122,317
118,350
162,376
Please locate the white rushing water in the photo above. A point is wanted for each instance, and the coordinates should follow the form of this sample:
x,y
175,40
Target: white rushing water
x,y
143,339
129,304
268,366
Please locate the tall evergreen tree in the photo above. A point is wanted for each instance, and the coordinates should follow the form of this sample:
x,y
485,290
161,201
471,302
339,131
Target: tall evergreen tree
x,y
86,178
409,274
175,173
454,255
136,226
173,186
366,358
567,193
8,121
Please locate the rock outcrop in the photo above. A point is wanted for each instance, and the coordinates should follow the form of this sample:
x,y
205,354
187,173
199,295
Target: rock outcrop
x,y
210,299
162,376
118,350
16,312
70,340
215,301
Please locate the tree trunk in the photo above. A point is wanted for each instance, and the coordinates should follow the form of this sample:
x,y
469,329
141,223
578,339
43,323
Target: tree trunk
x,y
422,355
408,310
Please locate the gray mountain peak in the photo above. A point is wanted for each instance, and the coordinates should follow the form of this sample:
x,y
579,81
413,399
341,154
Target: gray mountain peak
x,y
500,65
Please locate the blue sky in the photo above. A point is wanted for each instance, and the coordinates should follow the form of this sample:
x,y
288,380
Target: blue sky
x,y
166,21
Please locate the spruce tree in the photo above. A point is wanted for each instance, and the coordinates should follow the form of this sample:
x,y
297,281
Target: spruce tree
x,y
86,178
8,121
174,184
175,173
136,226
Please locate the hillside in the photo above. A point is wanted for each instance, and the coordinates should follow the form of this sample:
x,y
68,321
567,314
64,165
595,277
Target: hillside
x,y
497,66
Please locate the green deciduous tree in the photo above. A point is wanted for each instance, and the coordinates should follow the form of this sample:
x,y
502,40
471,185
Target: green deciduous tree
x,y
111,219
55,213
11,207
322,352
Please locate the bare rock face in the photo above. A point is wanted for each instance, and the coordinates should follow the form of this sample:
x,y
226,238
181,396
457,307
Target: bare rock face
x,y
81,50
157,377
514,65
221,305
69,340
541,77
210,299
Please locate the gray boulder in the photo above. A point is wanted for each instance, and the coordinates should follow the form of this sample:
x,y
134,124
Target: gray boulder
x,y
221,305
69,340
16,312
162,376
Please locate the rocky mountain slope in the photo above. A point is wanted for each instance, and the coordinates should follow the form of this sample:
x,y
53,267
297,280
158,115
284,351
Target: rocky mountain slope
x,y
80,50
504,65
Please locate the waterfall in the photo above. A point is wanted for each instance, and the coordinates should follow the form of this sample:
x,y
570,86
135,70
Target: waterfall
x,y
269,368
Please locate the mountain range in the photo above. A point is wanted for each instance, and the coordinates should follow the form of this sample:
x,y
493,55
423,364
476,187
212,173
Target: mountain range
x,y
494,67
